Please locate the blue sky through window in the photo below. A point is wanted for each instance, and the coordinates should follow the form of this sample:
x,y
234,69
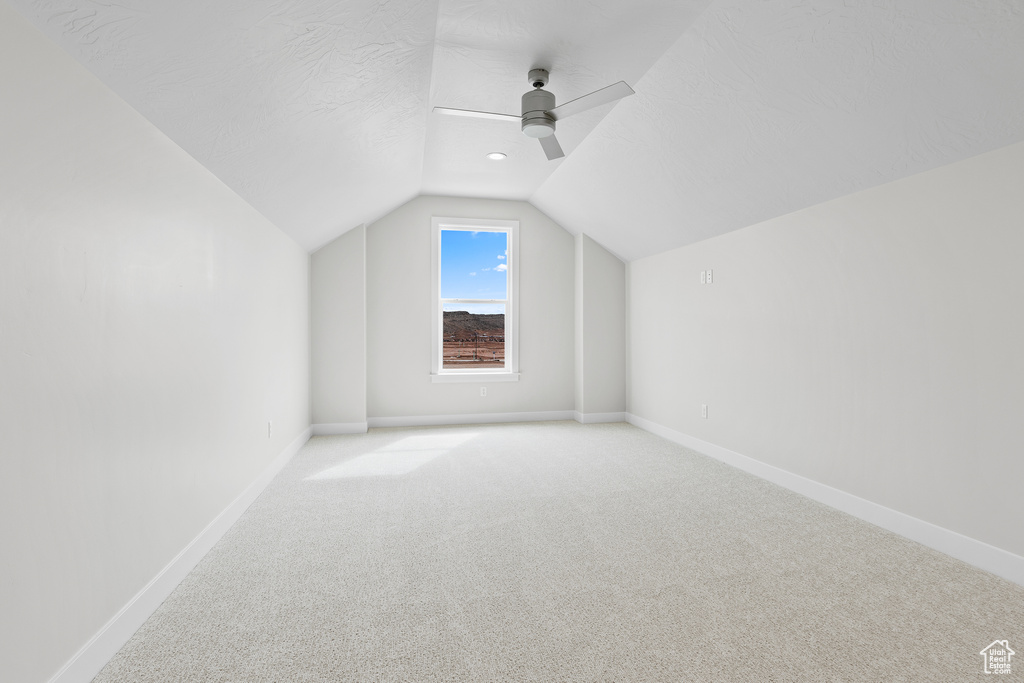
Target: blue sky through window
x,y
474,265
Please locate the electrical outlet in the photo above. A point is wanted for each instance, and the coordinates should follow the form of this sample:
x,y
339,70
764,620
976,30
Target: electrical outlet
x,y
704,410
483,391
703,277
710,276
270,429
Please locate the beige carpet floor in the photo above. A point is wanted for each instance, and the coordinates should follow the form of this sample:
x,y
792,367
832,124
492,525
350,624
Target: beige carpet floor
x,y
560,552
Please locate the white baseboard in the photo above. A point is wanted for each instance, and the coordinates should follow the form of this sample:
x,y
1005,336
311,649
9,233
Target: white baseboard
x,y
595,418
95,654
972,551
478,418
332,428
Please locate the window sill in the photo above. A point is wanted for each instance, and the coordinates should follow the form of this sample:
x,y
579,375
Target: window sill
x,y
477,377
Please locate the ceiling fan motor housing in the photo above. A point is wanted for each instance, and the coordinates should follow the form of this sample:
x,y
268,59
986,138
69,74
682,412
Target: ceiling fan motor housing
x,y
537,123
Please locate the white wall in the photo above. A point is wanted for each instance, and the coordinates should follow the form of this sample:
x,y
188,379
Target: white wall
x,y
151,323
338,328
600,332
398,310
578,323
872,343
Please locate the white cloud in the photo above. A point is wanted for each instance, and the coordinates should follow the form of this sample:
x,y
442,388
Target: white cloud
x,y
501,257
472,273
502,267
485,268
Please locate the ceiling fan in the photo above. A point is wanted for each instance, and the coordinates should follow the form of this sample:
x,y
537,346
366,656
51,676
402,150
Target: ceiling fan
x,y
540,113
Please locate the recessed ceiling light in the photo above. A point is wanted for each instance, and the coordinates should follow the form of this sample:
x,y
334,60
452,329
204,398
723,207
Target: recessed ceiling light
x,y
496,156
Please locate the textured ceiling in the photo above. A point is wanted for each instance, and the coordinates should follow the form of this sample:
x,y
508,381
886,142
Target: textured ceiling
x,y
317,112
764,108
482,54
313,111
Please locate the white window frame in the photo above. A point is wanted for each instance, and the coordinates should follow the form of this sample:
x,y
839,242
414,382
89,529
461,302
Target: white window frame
x,y
510,373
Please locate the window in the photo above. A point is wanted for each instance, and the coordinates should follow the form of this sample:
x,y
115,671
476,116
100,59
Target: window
x,y
475,289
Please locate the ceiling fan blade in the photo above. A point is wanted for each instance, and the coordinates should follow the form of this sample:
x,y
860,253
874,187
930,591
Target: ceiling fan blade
x,y
613,92
477,114
551,148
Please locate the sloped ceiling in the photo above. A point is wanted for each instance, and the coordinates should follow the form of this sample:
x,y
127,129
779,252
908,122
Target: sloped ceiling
x,y
764,108
317,112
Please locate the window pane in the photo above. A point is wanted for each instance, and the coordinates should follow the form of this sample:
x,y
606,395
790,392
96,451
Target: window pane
x,y
474,265
473,336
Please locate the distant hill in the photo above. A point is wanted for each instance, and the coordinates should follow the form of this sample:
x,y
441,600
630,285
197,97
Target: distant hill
x,y
463,324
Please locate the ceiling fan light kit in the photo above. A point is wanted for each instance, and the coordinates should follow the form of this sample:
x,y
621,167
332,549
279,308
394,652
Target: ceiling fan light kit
x,y
540,113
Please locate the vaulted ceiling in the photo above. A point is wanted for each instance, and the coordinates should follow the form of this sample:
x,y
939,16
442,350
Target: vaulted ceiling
x,y
318,112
